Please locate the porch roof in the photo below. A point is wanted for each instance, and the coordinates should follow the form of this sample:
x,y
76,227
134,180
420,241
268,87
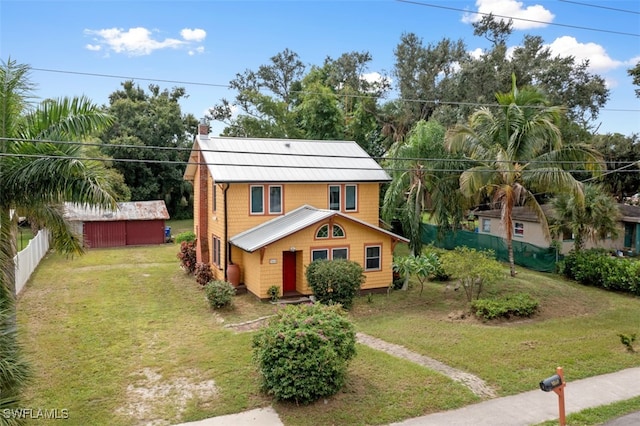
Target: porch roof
x,y
264,234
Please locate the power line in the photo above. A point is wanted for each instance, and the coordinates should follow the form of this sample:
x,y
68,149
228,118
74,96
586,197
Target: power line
x,y
303,92
284,154
518,19
601,7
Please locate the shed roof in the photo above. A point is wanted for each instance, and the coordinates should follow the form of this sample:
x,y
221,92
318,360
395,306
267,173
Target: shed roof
x,y
133,210
296,220
284,160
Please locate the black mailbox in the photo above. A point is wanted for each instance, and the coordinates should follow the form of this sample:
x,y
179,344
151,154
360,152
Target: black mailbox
x,y
550,383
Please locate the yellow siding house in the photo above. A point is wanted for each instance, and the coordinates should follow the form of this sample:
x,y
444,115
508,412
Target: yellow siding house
x,y
266,208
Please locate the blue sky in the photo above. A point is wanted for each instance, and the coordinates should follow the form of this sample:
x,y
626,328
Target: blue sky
x,y
208,42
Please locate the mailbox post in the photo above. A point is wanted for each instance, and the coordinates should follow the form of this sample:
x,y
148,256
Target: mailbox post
x,y
556,383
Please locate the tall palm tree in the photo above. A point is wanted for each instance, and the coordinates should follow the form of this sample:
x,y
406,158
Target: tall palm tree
x,y
594,219
37,175
518,151
421,182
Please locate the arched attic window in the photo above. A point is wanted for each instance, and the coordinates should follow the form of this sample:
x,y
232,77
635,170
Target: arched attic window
x,y
323,232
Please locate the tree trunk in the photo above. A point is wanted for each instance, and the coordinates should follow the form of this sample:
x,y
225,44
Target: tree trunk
x,y
512,264
8,266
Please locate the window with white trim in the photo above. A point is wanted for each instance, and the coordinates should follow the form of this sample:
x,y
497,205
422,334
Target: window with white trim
x,y
334,197
323,232
350,198
319,254
330,253
215,253
275,199
257,199
486,225
518,229
372,258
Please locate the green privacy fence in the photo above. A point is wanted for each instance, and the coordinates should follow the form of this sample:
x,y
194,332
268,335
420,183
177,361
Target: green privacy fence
x,y
527,255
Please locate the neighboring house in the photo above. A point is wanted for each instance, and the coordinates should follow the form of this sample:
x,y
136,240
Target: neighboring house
x,y
266,208
133,223
528,229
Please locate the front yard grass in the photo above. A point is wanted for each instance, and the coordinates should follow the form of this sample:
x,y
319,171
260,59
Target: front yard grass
x,y
123,336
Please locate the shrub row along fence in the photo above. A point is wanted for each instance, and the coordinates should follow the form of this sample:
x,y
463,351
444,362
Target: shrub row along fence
x,y
541,259
28,259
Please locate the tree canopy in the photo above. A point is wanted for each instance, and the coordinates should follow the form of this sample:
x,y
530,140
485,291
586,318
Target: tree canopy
x,y
149,142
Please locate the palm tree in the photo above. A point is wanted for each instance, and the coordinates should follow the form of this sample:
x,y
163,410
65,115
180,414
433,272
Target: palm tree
x,y
419,182
594,219
38,174
518,151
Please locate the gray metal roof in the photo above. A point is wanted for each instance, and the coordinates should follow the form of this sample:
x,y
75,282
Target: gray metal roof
x,y
283,226
134,210
285,160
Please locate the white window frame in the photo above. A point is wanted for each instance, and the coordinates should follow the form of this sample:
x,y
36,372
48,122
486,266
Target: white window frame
x,y
313,251
251,205
367,257
355,198
518,229
486,225
271,211
333,249
331,207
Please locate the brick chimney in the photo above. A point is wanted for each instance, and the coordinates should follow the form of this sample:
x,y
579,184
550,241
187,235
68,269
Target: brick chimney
x,y
203,127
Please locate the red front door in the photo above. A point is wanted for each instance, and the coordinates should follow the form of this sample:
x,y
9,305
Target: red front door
x,y
288,271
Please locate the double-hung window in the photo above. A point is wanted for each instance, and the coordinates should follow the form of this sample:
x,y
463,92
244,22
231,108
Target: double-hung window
x,y
519,229
334,197
372,258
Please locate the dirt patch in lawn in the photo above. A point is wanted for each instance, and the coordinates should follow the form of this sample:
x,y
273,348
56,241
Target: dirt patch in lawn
x,y
148,395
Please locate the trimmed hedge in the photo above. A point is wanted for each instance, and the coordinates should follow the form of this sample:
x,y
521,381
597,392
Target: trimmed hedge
x,y
515,305
596,267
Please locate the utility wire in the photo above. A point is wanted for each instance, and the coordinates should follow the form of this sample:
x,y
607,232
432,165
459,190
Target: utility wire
x,y
518,19
284,154
601,7
278,166
303,92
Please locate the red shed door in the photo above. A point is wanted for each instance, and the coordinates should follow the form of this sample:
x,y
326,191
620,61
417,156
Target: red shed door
x,y
141,232
104,234
288,271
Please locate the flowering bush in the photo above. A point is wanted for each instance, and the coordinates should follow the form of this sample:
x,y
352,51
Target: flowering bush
x,y
187,256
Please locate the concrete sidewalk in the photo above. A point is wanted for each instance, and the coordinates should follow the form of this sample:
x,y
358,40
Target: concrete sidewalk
x,y
537,406
517,410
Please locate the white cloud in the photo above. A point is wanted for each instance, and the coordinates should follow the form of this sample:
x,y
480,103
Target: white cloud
x,y
195,34
599,60
513,9
375,77
476,53
140,41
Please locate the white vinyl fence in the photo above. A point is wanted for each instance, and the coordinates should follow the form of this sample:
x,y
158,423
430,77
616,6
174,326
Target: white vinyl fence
x,y
28,259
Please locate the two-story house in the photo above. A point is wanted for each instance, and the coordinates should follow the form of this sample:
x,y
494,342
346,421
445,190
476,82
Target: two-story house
x,y
266,208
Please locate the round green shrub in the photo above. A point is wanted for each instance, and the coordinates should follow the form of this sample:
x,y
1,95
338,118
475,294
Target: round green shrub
x,y
303,353
335,281
185,236
219,293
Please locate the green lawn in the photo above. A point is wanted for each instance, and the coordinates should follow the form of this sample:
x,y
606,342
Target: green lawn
x,y
123,336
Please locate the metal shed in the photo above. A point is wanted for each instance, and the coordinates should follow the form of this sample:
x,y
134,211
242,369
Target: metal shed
x,y
133,223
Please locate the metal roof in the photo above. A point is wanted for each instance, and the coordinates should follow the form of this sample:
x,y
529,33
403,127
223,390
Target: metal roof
x,y
284,160
296,220
134,210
